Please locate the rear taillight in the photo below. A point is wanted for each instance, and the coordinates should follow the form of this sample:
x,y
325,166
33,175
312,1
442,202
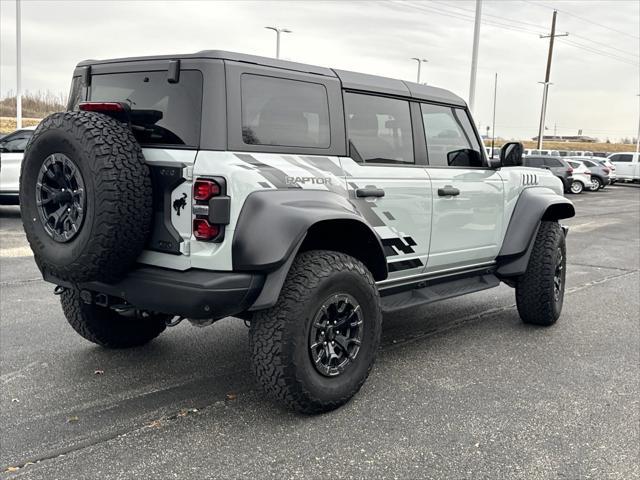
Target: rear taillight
x,y
587,172
210,209
203,230
205,189
606,171
570,170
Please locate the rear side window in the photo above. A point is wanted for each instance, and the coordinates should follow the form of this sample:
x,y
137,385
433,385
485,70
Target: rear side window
x,y
621,157
16,142
162,113
379,128
284,112
448,130
534,162
553,162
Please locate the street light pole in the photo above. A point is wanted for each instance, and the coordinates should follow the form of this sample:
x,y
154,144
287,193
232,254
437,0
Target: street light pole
x,y
420,62
493,130
638,137
278,32
18,68
474,55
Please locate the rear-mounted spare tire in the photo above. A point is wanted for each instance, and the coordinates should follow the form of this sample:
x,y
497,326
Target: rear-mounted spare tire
x,y
85,196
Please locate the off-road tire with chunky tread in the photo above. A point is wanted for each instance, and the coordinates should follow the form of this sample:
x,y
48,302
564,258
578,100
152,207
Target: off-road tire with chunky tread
x,y
118,211
535,289
106,327
278,336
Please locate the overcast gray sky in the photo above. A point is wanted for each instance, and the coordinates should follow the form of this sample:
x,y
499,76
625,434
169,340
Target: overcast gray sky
x,y
596,73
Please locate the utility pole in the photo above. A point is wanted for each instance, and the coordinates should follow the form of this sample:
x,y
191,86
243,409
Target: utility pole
x,y
474,55
278,32
18,69
546,83
420,62
495,96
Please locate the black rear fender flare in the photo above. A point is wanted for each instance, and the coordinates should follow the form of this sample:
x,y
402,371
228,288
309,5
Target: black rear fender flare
x,y
274,225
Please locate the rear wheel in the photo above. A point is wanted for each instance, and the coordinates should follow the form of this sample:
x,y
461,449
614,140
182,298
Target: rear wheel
x,y
314,349
596,184
106,327
576,187
540,291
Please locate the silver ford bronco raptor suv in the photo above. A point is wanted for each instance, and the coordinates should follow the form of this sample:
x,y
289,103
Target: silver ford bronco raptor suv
x,y
305,200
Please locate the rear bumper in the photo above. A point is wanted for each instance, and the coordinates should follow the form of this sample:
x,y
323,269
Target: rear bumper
x,y
191,293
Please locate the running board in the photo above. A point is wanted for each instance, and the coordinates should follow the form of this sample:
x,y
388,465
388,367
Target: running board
x,y
438,289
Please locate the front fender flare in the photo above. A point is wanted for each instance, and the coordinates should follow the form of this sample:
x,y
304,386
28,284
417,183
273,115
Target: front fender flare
x,y
533,206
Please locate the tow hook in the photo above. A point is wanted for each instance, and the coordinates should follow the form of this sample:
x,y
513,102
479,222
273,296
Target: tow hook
x,y
58,290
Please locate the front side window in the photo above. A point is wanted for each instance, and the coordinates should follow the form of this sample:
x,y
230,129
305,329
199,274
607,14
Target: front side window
x,y
284,112
622,157
379,128
450,137
162,113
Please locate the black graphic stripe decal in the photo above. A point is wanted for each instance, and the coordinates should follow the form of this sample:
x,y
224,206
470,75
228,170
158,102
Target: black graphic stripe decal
x,y
277,177
388,215
397,243
404,265
366,209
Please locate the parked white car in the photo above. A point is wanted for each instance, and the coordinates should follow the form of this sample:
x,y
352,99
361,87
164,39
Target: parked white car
x,y
581,176
11,151
627,166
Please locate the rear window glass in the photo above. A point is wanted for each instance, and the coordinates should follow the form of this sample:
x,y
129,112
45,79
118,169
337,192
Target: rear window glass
x,y
162,113
283,112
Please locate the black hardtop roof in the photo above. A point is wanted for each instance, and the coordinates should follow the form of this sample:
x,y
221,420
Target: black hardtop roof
x,y
349,80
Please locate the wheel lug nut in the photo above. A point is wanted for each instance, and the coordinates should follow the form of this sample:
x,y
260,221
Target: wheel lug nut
x,y
324,343
332,342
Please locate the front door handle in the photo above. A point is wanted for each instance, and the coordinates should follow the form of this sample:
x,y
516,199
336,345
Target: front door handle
x,y
448,191
369,192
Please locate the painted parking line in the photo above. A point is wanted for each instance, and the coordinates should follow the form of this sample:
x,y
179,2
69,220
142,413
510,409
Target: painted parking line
x,y
16,252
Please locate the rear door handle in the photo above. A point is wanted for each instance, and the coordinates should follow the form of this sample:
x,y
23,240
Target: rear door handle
x,y
448,191
369,192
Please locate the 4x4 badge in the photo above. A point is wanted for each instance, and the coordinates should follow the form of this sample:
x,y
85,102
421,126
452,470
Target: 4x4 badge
x,y
180,203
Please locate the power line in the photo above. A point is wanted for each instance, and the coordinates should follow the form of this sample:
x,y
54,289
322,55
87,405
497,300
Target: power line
x,y
514,28
529,24
590,49
540,4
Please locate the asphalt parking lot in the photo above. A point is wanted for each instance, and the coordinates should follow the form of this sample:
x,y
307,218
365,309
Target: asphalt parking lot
x,y
461,388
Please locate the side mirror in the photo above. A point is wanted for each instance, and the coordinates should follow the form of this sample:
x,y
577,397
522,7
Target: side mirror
x,y
511,154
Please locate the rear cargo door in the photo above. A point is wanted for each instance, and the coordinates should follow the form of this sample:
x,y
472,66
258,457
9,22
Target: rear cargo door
x,y
165,119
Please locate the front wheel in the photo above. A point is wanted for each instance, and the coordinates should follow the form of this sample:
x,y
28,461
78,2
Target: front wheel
x,y
540,291
576,187
314,349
